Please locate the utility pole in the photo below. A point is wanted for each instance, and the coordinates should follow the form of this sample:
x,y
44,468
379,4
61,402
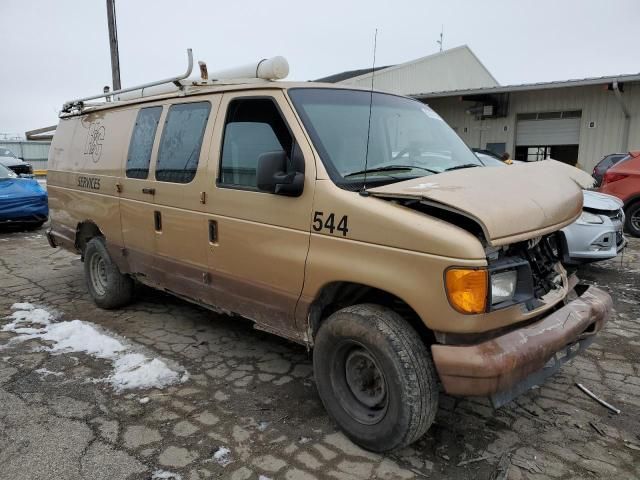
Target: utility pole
x,y
113,44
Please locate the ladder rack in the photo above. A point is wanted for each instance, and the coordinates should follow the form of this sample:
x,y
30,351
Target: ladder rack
x,y
78,104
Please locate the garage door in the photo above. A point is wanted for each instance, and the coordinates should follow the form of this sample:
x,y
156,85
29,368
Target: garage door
x,y
558,131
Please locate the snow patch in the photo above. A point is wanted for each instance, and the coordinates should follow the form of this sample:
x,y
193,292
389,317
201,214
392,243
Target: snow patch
x,y
79,336
144,400
44,372
163,474
223,456
134,370
22,306
131,369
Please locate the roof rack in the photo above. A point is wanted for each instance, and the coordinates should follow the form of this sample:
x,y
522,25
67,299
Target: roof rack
x,y
78,104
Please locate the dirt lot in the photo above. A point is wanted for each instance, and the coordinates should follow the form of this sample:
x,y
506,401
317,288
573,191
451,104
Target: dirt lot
x,y
253,394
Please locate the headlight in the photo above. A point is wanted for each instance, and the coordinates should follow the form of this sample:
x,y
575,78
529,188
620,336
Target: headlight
x,y
467,289
503,286
591,218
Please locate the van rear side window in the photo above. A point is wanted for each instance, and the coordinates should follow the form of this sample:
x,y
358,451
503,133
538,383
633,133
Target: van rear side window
x,y
141,144
181,142
253,126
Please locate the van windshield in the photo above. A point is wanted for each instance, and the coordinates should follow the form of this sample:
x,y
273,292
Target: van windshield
x,y
406,139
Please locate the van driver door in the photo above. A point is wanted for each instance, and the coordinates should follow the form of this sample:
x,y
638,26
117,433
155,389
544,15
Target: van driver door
x,y
180,181
258,242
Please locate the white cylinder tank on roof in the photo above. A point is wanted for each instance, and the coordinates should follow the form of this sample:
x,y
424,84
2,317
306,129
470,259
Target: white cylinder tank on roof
x,y
274,68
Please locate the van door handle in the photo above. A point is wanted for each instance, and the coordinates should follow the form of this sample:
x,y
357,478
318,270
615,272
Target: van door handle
x,y
157,221
149,191
213,231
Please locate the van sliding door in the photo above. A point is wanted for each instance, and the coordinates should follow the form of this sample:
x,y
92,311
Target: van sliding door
x,y
180,224
137,194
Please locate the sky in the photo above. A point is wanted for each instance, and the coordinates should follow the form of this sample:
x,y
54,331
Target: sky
x,y
53,51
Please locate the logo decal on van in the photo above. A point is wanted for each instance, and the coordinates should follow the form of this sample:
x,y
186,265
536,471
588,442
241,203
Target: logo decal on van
x,y
93,146
89,182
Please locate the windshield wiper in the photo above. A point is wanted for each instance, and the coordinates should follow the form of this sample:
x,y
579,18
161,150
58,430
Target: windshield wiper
x,y
458,167
388,168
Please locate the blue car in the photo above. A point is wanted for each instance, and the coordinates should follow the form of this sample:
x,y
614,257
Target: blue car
x,y
22,200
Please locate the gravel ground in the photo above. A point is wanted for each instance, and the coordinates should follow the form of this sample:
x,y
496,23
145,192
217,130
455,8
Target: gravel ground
x,y
249,408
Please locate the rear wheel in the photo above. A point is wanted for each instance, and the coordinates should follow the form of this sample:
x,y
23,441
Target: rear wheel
x,y
633,219
108,287
375,377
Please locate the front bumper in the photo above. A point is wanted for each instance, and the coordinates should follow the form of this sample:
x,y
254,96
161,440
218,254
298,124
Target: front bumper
x,y
592,242
505,366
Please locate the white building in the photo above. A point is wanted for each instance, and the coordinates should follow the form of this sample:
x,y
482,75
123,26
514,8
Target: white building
x,y
575,121
453,69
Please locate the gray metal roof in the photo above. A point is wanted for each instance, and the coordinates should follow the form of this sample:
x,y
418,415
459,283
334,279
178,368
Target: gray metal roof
x,y
583,82
339,77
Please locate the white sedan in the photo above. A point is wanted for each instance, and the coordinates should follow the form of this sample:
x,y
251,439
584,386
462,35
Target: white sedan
x,y
596,235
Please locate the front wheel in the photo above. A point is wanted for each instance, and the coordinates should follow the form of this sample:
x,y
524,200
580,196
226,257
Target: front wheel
x,y
108,287
633,219
375,377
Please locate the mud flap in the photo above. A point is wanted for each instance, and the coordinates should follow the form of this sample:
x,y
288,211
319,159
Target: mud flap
x,y
51,239
538,378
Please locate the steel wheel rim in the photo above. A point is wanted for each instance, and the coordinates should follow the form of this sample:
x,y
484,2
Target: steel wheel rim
x,y
364,378
98,274
635,219
360,384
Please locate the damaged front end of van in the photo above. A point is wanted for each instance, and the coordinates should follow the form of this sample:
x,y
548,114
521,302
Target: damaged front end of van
x,y
553,317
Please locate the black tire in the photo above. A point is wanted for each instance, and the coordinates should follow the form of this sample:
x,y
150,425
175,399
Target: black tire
x,y
400,400
632,222
107,286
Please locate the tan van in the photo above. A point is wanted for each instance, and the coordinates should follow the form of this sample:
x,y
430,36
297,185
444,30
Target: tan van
x,y
356,223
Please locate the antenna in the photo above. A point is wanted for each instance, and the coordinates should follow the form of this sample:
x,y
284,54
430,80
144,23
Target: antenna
x,y
439,42
364,192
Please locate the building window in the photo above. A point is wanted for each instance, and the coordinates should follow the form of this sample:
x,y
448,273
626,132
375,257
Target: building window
x,y
144,133
550,115
562,153
181,142
253,126
498,148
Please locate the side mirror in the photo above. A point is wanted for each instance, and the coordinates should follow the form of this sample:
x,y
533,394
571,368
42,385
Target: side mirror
x,y
273,176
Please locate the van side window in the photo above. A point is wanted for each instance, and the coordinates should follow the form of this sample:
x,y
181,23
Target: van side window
x,y
181,142
253,126
144,132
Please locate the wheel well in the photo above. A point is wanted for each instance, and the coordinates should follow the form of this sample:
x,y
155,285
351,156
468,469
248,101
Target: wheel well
x,y
85,232
338,295
631,201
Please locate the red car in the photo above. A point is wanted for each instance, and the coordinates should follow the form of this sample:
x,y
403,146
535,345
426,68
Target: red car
x,y
623,181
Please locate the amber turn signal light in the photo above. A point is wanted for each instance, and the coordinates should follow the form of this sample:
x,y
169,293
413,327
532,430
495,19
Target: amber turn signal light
x,y
467,289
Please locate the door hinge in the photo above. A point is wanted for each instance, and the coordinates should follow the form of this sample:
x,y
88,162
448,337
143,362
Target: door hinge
x,y
118,188
124,252
205,278
203,197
